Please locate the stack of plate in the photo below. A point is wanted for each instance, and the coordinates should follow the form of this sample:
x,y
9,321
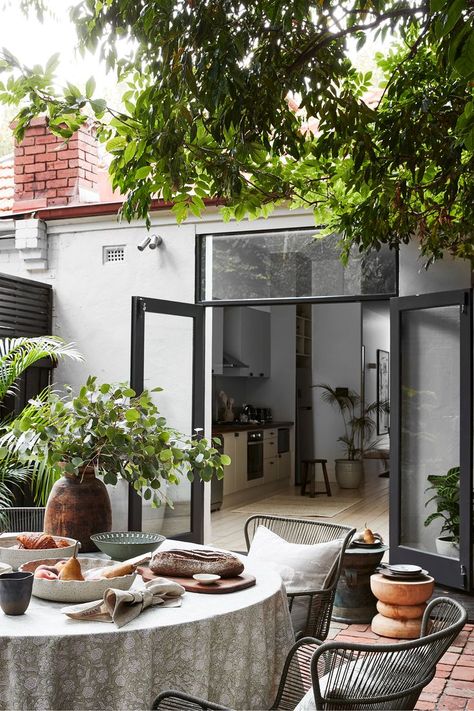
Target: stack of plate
x,y
402,572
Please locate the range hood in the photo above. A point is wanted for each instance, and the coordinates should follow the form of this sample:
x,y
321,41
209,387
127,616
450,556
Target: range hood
x,y
229,361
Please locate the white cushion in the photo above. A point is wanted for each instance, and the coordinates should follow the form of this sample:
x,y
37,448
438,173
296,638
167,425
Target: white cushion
x,y
307,703
302,567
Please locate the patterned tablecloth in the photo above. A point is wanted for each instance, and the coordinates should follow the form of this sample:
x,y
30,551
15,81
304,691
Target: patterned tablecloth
x,y
227,648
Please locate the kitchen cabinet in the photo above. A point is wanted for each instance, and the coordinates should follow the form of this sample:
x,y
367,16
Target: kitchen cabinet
x,y
235,475
283,465
270,453
247,339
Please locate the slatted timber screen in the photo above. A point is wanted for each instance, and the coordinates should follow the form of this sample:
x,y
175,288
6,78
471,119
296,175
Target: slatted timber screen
x,y
25,307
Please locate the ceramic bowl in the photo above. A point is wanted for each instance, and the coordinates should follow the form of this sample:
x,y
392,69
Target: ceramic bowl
x,y
4,568
206,578
15,557
123,545
76,590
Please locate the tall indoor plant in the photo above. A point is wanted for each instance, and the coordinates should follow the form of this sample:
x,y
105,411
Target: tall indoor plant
x,y
16,355
104,431
359,426
446,498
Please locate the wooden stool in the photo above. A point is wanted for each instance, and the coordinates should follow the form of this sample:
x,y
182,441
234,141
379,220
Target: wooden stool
x,y
401,604
309,471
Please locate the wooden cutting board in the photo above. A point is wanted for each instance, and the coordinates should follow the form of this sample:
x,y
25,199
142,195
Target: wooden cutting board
x,y
224,585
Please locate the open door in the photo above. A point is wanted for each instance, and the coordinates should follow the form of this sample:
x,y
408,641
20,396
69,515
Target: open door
x,y
431,430
168,352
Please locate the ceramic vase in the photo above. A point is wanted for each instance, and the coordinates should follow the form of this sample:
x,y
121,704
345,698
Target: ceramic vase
x,y
77,507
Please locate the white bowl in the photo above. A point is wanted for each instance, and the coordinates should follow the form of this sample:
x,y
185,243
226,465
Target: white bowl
x,y
76,590
17,556
206,578
4,568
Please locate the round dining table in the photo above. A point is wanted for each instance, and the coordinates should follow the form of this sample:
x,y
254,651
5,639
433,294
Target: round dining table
x,y
228,648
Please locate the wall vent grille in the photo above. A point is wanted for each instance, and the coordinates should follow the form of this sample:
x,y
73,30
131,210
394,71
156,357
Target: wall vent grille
x,y
114,254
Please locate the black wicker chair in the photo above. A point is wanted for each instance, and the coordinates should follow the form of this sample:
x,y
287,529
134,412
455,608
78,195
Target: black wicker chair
x,y
362,677
310,610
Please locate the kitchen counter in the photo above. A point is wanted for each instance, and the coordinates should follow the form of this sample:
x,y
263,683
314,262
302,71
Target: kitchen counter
x,y
224,427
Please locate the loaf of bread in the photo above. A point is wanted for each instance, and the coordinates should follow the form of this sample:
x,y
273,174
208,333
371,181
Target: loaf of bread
x,y
186,563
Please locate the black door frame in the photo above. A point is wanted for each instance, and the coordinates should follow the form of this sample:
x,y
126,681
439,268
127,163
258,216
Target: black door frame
x,y
448,571
140,306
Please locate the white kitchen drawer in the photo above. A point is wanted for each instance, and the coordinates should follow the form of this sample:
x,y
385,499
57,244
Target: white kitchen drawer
x,y
270,448
270,434
270,470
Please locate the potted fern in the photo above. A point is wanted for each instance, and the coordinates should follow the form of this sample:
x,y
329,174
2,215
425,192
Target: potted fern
x,y
359,426
446,498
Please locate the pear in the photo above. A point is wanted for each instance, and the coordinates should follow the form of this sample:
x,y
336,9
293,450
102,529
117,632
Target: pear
x,y
71,570
368,536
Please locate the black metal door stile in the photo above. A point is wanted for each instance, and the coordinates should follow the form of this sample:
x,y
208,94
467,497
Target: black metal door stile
x,y
456,573
140,307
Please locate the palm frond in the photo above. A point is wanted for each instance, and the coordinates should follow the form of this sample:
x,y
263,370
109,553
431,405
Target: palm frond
x,y
18,354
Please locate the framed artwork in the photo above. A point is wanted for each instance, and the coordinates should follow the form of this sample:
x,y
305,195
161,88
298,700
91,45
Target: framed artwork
x,y
383,390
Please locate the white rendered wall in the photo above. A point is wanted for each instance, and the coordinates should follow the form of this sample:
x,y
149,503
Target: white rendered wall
x,y
375,336
444,275
337,344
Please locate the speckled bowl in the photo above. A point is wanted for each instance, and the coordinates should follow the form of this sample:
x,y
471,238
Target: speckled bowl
x,y
4,568
76,590
17,556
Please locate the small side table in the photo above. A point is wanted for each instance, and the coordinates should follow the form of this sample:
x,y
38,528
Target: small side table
x,y
354,601
401,604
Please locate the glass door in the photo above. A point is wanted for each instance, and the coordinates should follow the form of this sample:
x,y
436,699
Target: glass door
x,y
431,435
168,352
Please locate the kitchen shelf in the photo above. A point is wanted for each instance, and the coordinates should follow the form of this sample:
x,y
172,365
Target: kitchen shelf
x,y
304,327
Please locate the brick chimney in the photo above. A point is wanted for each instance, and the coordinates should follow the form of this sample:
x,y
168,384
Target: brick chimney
x,y
50,172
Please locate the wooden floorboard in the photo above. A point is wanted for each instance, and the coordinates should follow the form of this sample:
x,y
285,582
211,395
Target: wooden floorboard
x,y
228,525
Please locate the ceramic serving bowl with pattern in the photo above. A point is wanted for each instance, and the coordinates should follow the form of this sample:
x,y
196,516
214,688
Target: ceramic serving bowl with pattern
x,y
14,556
123,545
76,590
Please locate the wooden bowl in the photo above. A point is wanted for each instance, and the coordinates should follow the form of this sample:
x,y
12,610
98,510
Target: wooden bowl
x,y
15,557
76,590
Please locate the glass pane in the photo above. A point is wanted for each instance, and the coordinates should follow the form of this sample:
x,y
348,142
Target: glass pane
x,y
292,263
430,419
168,364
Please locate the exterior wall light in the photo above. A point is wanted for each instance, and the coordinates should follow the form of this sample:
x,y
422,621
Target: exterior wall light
x,y
153,242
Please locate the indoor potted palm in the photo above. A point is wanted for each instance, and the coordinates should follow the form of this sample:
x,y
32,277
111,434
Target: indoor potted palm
x,y
95,437
446,498
359,426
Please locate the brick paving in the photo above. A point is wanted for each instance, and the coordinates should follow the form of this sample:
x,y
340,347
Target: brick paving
x,y
453,685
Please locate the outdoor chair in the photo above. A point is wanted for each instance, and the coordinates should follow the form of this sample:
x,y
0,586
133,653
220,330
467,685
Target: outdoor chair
x,y
18,519
310,610
363,677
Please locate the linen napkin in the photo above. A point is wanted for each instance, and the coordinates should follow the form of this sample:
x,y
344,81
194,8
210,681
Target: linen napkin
x,y
123,606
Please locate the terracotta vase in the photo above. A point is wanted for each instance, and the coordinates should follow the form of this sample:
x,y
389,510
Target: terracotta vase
x,y
77,507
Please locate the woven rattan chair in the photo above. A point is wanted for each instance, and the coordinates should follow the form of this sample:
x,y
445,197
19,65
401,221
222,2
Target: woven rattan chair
x,y
310,610
21,518
362,677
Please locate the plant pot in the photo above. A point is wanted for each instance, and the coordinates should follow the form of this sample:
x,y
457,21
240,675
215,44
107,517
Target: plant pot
x,y
348,473
445,546
77,507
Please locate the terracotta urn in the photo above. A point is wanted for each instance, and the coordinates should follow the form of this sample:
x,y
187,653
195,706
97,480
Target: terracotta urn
x,y
77,507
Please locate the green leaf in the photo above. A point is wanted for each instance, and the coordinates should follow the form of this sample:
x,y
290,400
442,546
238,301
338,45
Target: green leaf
x,y
132,415
90,87
225,460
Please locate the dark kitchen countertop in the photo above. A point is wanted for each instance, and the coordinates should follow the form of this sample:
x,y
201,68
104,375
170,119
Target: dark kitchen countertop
x,y
221,428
